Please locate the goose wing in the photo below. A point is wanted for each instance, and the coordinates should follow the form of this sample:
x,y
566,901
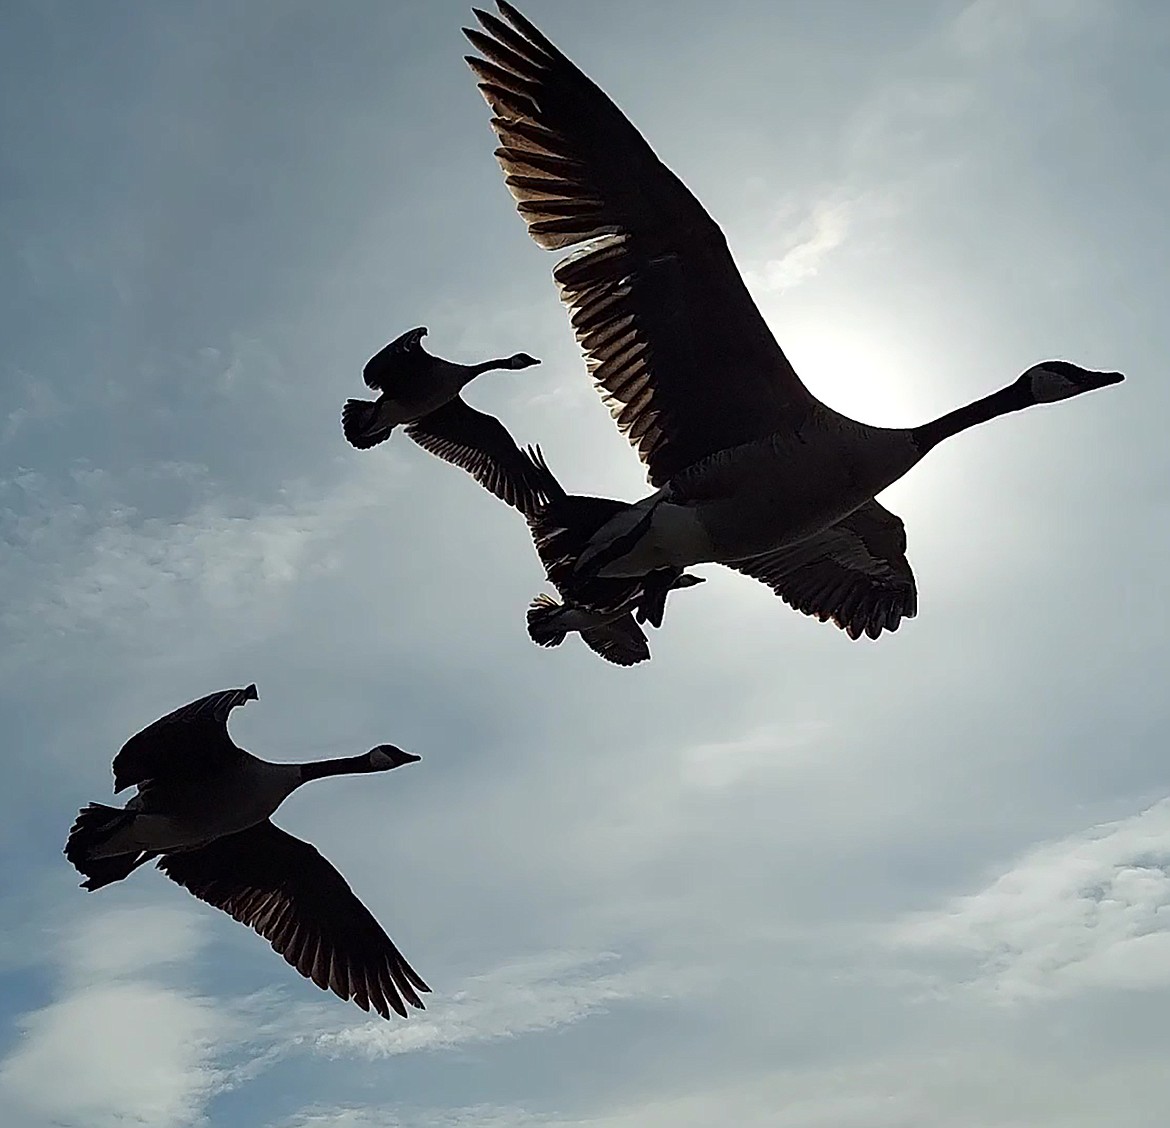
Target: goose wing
x,y
481,445
283,889
190,742
620,641
678,349
854,572
401,358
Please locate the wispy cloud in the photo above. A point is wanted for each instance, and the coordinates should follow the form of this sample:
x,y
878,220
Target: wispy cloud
x,y
1092,910
85,559
38,401
128,1040
524,997
987,26
821,233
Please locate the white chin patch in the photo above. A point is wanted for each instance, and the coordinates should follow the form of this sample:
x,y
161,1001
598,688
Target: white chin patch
x,y
1049,386
380,760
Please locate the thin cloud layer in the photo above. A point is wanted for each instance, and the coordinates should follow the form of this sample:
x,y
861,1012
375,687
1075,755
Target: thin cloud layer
x,y
1091,911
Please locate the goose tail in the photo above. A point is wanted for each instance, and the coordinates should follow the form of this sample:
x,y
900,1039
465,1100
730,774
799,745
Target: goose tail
x,y
97,824
544,621
359,421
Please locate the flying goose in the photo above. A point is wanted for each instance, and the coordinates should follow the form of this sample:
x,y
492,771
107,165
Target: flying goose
x,y
202,809
597,607
600,609
422,391
750,469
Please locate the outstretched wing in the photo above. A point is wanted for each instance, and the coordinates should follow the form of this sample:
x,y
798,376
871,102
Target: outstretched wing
x,y
481,445
854,572
402,357
190,742
283,889
679,351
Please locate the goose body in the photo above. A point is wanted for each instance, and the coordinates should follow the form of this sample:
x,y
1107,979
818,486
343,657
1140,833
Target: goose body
x,y
750,469
602,610
606,611
422,392
755,497
202,810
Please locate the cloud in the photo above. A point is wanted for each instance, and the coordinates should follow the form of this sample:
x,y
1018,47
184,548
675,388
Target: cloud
x,y
933,1086
127,1041
85,558
987,26
39,402
119,1047
523,997
1089,911
822,232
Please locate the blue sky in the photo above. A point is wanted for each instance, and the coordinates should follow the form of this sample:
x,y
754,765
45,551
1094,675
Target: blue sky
x,y
772,877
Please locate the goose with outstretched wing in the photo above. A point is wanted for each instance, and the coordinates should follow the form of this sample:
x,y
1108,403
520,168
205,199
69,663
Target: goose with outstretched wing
x,y
201,810
746,462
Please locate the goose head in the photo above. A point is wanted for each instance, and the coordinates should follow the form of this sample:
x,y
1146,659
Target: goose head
x,y
1053,380
388,756
521,360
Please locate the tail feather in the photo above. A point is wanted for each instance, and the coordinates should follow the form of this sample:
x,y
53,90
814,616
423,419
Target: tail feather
x,y
359,421
96,824
544,627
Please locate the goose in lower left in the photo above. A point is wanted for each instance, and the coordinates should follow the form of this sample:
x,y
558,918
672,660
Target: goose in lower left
x,y
202,809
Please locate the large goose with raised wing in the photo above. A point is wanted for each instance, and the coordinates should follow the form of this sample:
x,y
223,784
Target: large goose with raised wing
x,y
751,469
202,809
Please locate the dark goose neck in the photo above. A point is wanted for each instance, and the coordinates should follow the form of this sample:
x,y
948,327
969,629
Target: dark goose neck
x,y
1012,398
345,765
488,366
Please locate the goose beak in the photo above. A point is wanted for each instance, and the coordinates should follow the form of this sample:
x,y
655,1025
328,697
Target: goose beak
x,y
1103,379
410,758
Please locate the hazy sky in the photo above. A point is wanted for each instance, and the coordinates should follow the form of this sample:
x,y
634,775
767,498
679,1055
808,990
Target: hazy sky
x,y
771,878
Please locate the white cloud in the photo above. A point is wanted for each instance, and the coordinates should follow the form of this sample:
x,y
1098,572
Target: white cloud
x,y
523,997
944,1089
128,943
823,232
119,1047
84,559
127,1042
116,1054
1092,910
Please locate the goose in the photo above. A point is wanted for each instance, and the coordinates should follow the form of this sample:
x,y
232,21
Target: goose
x,y
202,809
422,391
606,612
599,609
749,469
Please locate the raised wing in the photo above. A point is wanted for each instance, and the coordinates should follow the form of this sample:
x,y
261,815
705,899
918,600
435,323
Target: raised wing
x,y
401,358
190,742
679,351
481,445
283,889
855,573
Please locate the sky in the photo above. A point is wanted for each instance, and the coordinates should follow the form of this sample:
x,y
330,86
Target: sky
x,y
772,877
